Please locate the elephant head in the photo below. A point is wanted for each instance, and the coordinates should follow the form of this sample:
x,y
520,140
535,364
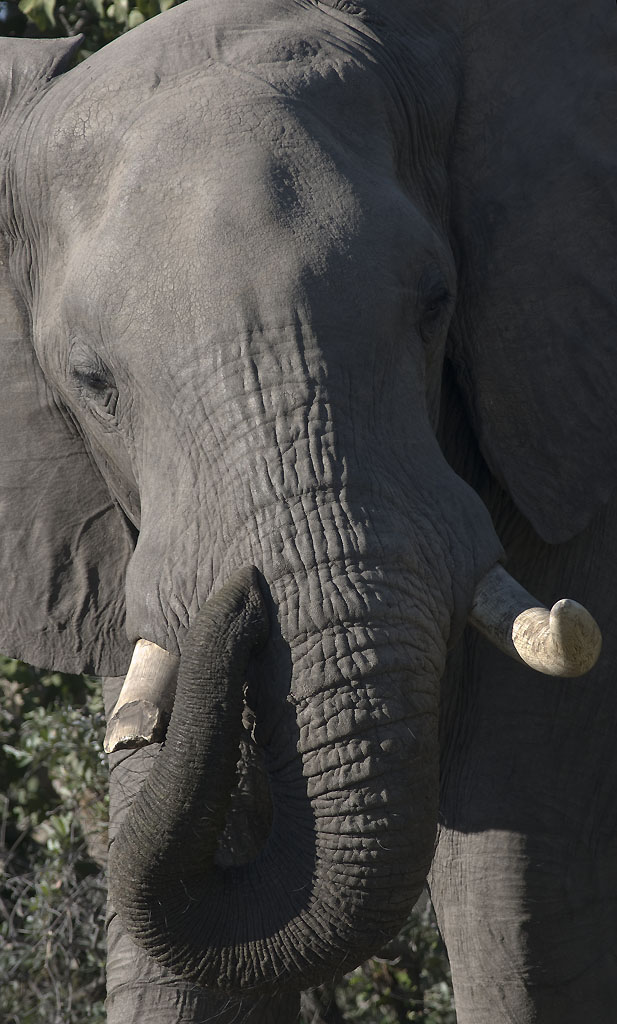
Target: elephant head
x,y
228,277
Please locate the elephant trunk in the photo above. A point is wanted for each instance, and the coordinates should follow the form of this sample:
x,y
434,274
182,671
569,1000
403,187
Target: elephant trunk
x,y
354,788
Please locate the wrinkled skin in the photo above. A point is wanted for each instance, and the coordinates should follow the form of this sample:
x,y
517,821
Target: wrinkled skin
x,y
305,288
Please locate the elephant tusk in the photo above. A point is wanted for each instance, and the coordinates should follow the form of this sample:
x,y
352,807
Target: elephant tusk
x,y
564,641
142,711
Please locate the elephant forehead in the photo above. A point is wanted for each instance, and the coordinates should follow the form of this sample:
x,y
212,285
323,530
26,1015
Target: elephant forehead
x,y
209,267
187,89
211,152
251,179
201,169
216,79
249,222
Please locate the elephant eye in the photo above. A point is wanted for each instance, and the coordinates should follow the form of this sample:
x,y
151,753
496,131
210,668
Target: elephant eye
x,y
104,394
436,306
94,383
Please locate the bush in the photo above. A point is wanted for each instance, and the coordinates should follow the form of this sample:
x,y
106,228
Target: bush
x,y
53,779
98,20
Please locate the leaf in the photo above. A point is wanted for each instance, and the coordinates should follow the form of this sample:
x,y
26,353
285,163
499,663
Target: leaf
x,y
21,755
30,6
49,7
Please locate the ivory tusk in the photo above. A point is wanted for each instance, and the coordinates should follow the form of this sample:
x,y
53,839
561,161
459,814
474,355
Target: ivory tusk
x,y
142,710
564,641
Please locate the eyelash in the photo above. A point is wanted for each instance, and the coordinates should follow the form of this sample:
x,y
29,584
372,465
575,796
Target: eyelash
x,y
100,393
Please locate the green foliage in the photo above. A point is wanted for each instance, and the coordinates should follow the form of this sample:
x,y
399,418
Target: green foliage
x,y
53,781
99,20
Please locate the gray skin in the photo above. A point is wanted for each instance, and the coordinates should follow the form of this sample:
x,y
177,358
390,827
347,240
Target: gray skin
x,y
310,287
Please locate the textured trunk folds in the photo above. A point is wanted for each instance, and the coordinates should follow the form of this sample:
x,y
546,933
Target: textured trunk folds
x,y
354,791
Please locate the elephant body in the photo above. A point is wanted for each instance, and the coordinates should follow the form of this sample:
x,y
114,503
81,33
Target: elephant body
x,y
526,837
308,315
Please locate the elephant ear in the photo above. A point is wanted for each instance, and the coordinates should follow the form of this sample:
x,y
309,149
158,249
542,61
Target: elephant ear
x,y
63,543
535,220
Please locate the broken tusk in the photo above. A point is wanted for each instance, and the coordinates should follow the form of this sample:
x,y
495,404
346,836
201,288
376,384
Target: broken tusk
x,y
564,641
142,710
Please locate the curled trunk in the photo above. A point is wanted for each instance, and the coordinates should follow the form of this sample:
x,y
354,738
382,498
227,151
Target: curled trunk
x,y
354,817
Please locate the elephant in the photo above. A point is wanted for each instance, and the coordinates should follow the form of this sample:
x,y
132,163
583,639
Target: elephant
x,y
307,329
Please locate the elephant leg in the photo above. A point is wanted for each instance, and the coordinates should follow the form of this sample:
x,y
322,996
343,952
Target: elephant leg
x,y
524,879
529,924
138,988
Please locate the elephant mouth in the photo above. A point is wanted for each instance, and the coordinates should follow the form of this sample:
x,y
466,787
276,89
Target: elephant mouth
x,y
564,641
